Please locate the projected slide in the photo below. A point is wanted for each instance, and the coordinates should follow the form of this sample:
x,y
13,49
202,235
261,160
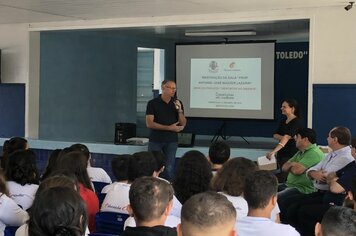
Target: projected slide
x,y
226,80
225,83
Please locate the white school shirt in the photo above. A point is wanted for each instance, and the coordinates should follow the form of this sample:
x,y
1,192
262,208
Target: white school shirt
x,y
10,213
22,195
260,226
241,207
97,174
117,199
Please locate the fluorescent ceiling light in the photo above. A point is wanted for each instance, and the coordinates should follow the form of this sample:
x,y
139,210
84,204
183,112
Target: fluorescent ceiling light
x,y
219,33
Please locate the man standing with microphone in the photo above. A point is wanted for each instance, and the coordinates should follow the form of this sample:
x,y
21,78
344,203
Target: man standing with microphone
x,y
165,117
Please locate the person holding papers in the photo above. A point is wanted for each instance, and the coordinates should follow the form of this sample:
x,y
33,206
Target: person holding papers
x,y
285,132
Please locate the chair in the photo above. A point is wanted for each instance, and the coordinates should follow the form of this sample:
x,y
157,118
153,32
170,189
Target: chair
x,y
10,230
101,197
110,222
98,186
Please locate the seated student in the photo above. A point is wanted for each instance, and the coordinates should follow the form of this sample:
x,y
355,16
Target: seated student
x,y
140,164
230,181
207,213
57,180
219,153
192,176
120,166
337,221
22,177
51,162
58,211
75,163
11,145
151,200
308,155
261,196
96,174
10,213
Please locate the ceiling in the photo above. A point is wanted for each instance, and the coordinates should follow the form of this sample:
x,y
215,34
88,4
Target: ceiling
x,y
36,11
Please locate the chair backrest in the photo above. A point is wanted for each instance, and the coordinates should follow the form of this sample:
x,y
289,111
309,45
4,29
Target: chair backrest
x,y
101,197
110,222
98,186
10,230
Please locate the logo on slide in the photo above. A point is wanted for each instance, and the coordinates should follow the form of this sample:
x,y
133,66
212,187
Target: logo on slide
x,y
232,65
213,67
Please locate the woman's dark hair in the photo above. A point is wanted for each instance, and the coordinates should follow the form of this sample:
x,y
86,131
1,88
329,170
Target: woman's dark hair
x,y
10,146
58,211
22,167
59,180
78,147
160,159
192,176
293,104
52,159
230,179
3,186
120,166
75,163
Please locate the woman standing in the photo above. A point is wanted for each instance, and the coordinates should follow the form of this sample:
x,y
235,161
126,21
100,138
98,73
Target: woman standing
x,y
285,132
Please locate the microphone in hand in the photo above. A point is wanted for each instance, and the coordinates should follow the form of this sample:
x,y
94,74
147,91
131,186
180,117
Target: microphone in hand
x,y
178,105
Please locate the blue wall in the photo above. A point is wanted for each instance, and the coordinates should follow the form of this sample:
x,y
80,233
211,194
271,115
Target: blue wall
x,y
12,110
333,105
88,83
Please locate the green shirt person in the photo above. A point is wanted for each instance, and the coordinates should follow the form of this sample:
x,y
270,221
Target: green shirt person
x,y
308,155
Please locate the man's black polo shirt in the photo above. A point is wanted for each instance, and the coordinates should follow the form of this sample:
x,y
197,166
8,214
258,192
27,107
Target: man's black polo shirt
x,y
164,114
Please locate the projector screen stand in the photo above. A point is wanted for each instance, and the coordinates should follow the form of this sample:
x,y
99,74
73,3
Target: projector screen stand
x,y
221,132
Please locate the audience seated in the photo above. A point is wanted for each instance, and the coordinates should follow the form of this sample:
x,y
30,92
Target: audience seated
x,y
193,175
117,198
58,211
337,221
219,153
120,166
308,155
96,174
75,163
22,176
341,180
207,213
261,196
230,181
304,211
10,146
151,200
57,180
10,213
